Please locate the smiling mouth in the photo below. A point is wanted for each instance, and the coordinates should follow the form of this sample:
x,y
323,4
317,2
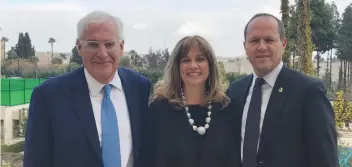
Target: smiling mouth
x,y
101,62
261,57
194,74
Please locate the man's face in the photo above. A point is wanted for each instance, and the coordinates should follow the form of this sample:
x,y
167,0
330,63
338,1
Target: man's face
x,y
101,50
263,45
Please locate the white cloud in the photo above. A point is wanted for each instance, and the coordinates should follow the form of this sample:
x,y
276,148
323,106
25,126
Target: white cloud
x,y
139,26
191,28
154,23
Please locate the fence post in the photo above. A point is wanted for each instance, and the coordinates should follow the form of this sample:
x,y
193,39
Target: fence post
x,y
9,92
24,90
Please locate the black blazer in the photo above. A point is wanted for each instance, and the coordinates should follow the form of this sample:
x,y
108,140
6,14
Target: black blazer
x,y
170,141
299,125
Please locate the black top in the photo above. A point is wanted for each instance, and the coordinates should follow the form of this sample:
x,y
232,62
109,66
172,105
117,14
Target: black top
x,y
171,141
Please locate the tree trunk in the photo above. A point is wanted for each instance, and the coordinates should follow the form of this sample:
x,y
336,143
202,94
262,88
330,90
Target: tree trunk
x,y
304,34
344,75
52,53
318,64
331,70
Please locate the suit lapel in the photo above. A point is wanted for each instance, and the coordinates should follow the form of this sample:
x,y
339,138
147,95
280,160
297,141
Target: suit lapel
x,y
83,108
132,105
242,92
276,102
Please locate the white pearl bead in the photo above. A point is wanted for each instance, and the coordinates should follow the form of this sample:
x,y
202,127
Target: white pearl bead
x,y
201,130
188,115
209,113
191,121
206,126
207,119
194,128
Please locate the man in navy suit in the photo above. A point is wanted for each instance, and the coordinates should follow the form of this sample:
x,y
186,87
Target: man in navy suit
x,y
283,117
93,116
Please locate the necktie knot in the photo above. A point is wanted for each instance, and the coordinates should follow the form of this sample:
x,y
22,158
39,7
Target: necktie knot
x,y
107,90
259,82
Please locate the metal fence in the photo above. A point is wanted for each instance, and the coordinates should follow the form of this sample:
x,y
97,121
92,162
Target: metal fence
x,y
17,91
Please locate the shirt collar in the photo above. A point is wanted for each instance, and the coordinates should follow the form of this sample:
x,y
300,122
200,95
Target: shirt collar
x,y
270,78
95,87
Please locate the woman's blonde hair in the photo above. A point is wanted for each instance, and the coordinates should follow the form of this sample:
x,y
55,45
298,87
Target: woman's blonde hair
x,y
170,86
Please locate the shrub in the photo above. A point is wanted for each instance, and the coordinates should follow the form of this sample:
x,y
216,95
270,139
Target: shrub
x,y
14,148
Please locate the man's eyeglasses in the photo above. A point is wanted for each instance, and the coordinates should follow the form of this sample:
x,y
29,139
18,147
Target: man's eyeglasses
x,y
95,45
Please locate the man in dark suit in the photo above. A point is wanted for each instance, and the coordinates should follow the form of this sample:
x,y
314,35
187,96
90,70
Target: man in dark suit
x,y
93,116
283,116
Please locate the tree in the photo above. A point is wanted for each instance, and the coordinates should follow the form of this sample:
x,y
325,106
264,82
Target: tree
x,y
342,109
285,11
4,40
63,56
293,35
333,34
52,41
344,48
56,60
152,59
322,25
24,48
304,37
165,56
75,57
125,62
11,54
136,59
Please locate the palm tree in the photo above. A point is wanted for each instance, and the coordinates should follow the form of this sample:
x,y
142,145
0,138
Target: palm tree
x,y
4,40
52,41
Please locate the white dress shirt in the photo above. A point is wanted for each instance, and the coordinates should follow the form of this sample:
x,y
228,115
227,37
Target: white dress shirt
x,y
267,88
120,104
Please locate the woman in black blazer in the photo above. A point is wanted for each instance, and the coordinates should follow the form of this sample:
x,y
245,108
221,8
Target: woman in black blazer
x,y
189,124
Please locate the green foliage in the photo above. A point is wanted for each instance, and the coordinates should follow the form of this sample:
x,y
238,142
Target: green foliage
x,y
125,62
11,54
23,121
304,37
342,109
231,77
285,10
154,77
14,148
222,70
75,57
56,60
5,164
24,48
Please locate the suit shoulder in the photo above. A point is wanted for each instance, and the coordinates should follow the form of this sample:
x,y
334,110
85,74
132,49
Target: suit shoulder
x,y
55,83
239,81
303,79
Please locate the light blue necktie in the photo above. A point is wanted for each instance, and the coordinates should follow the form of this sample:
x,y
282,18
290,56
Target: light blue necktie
x,y
110,132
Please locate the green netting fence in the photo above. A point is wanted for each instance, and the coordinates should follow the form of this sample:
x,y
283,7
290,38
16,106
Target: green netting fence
x,y
18,91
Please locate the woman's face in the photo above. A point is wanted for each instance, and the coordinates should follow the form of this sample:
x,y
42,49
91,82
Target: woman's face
x,y
194,68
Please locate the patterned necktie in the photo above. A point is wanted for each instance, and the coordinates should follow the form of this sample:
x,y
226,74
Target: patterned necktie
x,y
110,132
251,136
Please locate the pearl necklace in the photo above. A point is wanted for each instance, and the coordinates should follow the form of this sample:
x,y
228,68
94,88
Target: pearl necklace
x,y
201,130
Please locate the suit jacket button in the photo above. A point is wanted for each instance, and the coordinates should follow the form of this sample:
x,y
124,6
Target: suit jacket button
x,y
261,162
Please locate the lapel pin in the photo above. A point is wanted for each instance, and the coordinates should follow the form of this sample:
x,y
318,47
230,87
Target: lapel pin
x,y
281,89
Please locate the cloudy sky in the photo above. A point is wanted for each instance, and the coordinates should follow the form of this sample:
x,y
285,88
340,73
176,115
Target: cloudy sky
x,y
148,23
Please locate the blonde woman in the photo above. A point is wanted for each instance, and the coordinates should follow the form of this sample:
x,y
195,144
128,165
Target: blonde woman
x,y
188,121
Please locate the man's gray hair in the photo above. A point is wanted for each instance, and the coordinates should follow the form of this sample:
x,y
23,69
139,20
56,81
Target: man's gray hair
x,y
98,17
